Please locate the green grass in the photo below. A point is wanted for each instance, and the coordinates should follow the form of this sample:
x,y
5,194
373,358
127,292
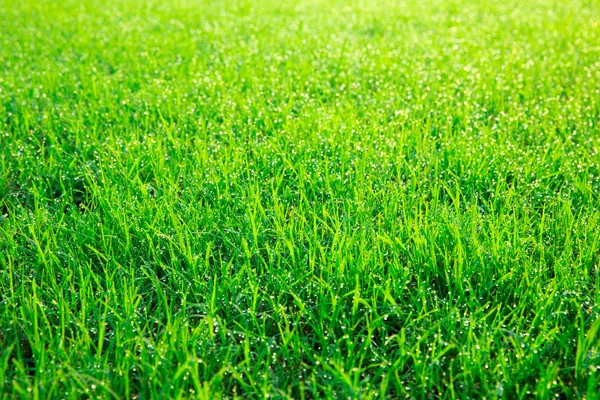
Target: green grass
x,y
300,199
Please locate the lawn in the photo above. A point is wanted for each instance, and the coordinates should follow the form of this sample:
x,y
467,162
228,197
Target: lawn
x,y
300,199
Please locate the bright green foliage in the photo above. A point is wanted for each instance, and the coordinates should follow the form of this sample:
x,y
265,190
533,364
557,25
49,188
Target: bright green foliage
x,y
300,198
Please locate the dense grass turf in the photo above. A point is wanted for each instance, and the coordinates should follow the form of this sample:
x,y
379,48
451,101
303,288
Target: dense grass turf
x,y
302,199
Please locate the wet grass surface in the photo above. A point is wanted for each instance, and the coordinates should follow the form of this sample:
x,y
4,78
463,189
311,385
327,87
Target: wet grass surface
x,y
299,199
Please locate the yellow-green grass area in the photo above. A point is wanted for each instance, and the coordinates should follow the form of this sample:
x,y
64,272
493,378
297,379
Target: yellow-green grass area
x,y
300,199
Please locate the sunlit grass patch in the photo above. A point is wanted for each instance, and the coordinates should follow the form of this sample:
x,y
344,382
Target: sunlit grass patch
x,y
299,199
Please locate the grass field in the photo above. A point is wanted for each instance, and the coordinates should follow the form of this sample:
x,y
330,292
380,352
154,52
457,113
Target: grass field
x,y
300,199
